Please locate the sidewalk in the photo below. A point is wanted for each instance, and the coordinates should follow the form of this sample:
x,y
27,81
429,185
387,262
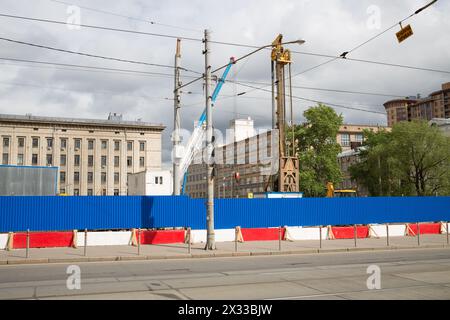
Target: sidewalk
x,y
224,249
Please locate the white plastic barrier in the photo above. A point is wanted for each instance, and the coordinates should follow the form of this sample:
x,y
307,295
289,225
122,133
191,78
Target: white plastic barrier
x,y
444,227
395,230
222,235
3,240
300,233
109,238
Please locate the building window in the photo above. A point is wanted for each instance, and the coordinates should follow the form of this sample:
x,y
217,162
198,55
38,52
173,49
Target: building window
x,y
359,137
116,192
130,145
5,142
76,160
90,177
103,161
76,192
90,192
116,161
141,146
35,143
34,159
116,177
49,143
90,161
104,192
345,139
141,162
104,144
62,191
117,145
63,143
62,159
77,143
91,145
62,177
103,177
5,158
49,159
21,142
129,162
76,177
20,159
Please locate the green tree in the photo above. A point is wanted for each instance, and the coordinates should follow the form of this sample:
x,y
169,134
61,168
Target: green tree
x,y
317,150
413,159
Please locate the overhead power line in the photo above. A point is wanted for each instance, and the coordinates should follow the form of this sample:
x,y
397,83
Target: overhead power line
x,y
93,55
323,89
103,92
147,21
315,101
217,42
346,53
92,67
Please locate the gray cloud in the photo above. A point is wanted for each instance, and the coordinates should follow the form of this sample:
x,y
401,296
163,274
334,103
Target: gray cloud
x,y
329,27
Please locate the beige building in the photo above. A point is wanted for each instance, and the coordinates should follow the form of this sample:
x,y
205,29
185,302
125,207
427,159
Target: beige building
x,y
351,136
436,105
346,159
93,156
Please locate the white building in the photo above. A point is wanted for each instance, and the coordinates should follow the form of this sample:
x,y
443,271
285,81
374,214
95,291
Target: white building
x,y
150,183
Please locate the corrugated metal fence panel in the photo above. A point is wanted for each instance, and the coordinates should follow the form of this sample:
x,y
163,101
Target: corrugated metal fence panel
x,y
100,213
68,213
256,213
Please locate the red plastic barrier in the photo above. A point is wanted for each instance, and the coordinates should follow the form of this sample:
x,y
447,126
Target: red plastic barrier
x,y
162,237
425,228
43,240
262,234
349,232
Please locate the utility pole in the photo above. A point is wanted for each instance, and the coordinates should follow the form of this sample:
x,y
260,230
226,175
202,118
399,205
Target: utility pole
x,y
210,236
176,124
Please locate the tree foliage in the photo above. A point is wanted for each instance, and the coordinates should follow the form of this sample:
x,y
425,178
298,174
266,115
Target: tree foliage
x,y
411,160
317,150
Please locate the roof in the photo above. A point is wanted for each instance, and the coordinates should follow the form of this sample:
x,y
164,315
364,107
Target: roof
x,y
399,101
79,121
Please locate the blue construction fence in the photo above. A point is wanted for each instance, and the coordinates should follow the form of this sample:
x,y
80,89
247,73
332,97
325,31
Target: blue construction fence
x,y
114,213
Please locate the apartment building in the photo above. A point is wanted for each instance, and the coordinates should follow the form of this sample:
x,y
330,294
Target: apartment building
x,y
436,105
351,136
93,156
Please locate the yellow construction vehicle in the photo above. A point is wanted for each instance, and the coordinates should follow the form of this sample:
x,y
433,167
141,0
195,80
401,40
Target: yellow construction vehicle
x,y
332,193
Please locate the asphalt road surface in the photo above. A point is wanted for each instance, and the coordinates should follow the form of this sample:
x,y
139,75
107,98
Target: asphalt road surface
x,y
404,274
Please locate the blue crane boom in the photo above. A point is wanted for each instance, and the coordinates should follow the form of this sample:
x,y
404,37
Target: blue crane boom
x,y
196,138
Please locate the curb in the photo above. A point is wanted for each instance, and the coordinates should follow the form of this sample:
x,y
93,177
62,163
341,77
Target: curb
x,y
211,255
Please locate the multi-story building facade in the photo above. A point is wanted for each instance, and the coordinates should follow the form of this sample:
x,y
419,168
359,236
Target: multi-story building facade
x,y
93,156
255,160
436,105
398,110
244,164
351,136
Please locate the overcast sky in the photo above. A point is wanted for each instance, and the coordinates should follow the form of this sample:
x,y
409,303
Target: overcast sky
x,y
328,27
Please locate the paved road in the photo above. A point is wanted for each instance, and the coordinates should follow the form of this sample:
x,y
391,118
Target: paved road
x,y
405,274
